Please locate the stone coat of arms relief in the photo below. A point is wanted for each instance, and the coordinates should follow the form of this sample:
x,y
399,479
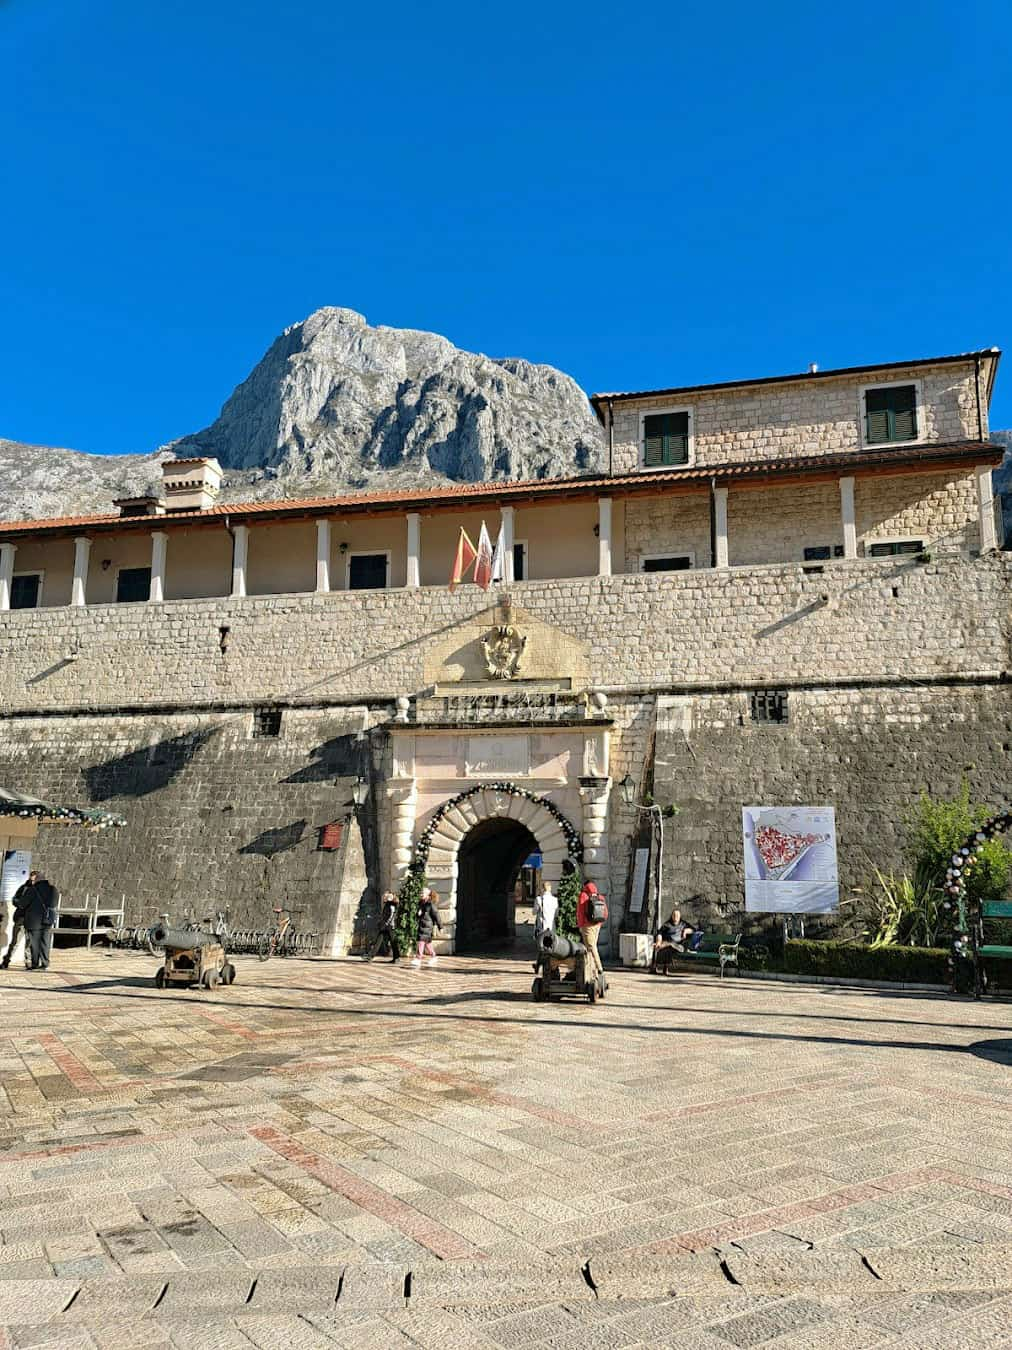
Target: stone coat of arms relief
x,y
503,647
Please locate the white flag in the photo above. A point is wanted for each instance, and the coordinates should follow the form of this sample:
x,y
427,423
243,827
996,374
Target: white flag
x,y
499,558
482,575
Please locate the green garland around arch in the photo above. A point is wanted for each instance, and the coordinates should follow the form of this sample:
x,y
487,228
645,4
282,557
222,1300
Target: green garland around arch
x,y
572,835
966,857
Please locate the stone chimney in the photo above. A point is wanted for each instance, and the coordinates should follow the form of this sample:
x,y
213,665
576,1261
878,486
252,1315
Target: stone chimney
x,y
191,484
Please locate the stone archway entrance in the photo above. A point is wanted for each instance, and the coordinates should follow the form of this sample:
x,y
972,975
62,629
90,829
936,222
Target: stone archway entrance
x,y
488,863
529,822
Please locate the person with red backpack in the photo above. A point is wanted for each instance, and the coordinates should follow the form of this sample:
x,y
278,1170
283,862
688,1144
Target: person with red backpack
x,y
591,912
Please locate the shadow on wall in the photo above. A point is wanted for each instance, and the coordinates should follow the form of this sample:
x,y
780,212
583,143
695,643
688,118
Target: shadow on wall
x,y
340,758
280,840
147,770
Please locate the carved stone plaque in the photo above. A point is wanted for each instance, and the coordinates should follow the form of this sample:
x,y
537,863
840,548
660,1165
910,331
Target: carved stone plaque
x,y
499,756
503,647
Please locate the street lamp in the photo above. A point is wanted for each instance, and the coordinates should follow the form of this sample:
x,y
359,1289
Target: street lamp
x,y
359,791
657,817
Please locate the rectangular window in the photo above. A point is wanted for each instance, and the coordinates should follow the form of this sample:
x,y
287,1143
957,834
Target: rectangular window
x,y
133,584
894,548
665,439
769,705
25,589
266,723
367,571
520,561
674,563
890,414
820,552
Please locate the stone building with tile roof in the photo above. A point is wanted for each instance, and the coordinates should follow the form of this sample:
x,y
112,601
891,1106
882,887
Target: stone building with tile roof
x,y
784,590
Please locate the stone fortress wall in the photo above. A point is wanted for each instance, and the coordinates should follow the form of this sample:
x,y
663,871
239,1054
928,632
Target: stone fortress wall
x,y
897,672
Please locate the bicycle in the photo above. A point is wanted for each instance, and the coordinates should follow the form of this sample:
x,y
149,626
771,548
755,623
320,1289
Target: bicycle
x,y
284,940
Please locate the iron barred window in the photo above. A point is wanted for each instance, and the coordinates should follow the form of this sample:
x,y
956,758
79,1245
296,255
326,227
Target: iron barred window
x,y
769,705
266,723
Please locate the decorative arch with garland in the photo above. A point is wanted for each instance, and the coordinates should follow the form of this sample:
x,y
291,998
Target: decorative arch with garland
x,y
958,873
412,885
574,843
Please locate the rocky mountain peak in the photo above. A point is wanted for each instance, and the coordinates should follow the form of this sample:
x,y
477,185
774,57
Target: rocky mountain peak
x,y
337,403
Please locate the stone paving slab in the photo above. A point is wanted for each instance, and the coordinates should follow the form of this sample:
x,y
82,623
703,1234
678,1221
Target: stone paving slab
x,y
317,1133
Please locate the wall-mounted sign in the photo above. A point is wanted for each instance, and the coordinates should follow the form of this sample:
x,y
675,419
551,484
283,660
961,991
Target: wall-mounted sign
x,y
790,859
14,873
497,755
639,880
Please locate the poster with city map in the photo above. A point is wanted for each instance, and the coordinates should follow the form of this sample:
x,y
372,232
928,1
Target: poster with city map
x,y
790,859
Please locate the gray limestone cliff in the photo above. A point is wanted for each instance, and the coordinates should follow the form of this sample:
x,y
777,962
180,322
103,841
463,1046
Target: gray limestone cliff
x,y
337,404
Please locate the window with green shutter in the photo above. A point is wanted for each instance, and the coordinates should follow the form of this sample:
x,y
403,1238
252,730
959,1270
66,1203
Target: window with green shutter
x,y
665,439
890,414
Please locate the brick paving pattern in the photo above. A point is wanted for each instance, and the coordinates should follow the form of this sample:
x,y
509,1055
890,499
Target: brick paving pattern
x,y
331,1153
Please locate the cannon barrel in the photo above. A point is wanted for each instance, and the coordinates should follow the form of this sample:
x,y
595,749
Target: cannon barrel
x,y
561,947
163,936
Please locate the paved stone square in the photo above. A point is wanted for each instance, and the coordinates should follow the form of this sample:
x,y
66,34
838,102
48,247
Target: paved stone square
x,y
332,1153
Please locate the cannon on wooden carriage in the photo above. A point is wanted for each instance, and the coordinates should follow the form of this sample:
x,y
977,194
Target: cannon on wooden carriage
x,y
192,956
565,969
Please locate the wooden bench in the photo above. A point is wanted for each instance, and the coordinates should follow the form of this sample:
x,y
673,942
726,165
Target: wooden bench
x,y
715,948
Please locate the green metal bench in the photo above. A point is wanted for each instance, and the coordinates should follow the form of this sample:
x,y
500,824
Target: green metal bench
x,y
995,909
714,948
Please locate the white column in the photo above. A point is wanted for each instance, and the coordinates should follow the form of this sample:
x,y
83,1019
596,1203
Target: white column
x,y
604,536
159,544
7,552
720,526
507,516
849,517
323,555
985,505
82,547
240,550
414,576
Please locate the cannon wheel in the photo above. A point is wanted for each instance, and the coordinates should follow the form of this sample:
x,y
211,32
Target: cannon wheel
x,y
209,979
228,973
160,978
592,990
538,990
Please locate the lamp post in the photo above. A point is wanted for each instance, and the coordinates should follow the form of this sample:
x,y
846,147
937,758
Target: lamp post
x,y
359,792
657,816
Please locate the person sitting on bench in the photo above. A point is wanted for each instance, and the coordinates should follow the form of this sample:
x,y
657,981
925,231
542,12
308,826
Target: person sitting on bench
x,y
673,934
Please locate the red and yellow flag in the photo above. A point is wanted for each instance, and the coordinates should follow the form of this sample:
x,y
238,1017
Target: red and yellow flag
x,y
466,554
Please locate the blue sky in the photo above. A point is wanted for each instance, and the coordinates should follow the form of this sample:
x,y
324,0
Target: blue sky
x,y
645,195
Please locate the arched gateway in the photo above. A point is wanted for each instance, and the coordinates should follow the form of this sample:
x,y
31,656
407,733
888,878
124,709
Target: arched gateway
x,y
472,851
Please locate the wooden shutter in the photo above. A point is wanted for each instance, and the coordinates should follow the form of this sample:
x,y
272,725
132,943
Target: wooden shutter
x,y
904,402
653,441
891,414
665,439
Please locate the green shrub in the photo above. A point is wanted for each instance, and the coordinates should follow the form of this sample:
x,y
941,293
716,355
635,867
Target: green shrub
x,y
569,893
755,957
408,899
939,828
902,965
905,910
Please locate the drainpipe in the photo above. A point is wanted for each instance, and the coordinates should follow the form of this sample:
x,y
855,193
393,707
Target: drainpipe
x,y
611,436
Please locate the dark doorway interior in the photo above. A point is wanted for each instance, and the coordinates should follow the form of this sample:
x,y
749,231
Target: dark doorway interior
x,y
488,866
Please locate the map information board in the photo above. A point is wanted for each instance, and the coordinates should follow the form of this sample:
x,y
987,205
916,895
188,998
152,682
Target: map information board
x,y
790,859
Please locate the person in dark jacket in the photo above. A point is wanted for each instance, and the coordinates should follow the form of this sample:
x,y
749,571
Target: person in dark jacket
x,y
41,906
386,938
18,921
428,920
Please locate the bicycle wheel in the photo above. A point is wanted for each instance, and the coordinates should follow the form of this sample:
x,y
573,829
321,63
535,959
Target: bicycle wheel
x,y
264,947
